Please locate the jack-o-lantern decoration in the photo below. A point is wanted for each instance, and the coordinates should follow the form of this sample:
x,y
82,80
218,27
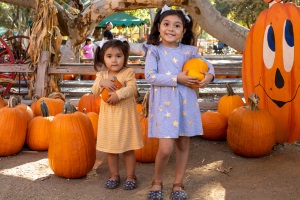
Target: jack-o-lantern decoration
x,y
271,67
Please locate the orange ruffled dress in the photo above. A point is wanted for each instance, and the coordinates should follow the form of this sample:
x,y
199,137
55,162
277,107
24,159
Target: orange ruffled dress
x,y
119,128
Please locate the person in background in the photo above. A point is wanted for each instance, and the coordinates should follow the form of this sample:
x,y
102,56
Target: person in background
x,y
174,113
220,47
118,126
107,35
88,49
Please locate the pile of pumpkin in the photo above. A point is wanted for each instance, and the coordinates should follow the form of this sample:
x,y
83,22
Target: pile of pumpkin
x,y
73,77
53,125
249,131
68,135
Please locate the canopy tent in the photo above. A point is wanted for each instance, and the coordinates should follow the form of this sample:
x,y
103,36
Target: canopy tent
x,y
121,19
2,30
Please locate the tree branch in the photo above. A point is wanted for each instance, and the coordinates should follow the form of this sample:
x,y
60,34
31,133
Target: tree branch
x,y
78,27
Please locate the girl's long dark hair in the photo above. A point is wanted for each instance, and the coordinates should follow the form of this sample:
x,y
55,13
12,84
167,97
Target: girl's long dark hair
x,y
99,53
188,37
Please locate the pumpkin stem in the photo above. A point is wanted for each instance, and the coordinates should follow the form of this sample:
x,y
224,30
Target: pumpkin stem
x,y
18,98
69,108
145,104
253,101
35,98
57,95
12,102
229,90
44,109
139,99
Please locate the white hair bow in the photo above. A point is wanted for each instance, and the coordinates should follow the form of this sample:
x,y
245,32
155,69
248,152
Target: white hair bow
x,y
165,8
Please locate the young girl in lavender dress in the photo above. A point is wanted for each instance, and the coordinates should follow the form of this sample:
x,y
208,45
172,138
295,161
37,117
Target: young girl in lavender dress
x,y
174,114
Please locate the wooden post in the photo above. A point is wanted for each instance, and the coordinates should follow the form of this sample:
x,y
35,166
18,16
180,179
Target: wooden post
x,y
42,75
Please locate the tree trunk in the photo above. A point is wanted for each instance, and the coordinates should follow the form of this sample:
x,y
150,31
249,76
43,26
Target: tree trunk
x,y
211,21
79,26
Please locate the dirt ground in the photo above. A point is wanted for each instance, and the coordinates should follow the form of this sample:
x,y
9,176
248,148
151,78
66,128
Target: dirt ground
x,y
214,172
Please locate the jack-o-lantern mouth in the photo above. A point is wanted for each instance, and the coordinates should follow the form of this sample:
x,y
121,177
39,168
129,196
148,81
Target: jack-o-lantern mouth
x,y
277,102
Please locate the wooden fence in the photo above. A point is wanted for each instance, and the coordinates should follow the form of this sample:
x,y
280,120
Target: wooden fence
x,y
208,97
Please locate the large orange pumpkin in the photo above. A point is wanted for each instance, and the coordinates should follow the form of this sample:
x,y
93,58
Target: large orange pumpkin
x,y
72,150
37,138
105,93
214,125
148,152
251,131
94,118
28,112
55,102
89,103
195,66
55,106
229,102
13,126
271,67
2,102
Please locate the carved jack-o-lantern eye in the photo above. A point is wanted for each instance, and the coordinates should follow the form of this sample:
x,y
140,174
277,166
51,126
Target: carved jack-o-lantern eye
x,y
269,47
288,45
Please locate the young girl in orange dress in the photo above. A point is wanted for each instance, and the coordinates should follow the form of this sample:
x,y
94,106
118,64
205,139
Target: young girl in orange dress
x,y
118,128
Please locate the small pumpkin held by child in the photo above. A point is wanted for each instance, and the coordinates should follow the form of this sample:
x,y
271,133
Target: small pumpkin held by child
x,y
195,67
105,93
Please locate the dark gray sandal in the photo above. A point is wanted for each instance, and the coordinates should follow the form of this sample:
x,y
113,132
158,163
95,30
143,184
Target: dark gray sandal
x,y
113,183
156,194
130,185
178,194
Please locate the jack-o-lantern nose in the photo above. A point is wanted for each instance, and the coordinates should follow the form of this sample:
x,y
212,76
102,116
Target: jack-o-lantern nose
x,y
279,81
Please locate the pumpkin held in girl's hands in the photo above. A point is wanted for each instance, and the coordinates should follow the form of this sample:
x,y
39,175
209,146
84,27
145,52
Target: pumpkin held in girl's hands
x,y
105,96
195,66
